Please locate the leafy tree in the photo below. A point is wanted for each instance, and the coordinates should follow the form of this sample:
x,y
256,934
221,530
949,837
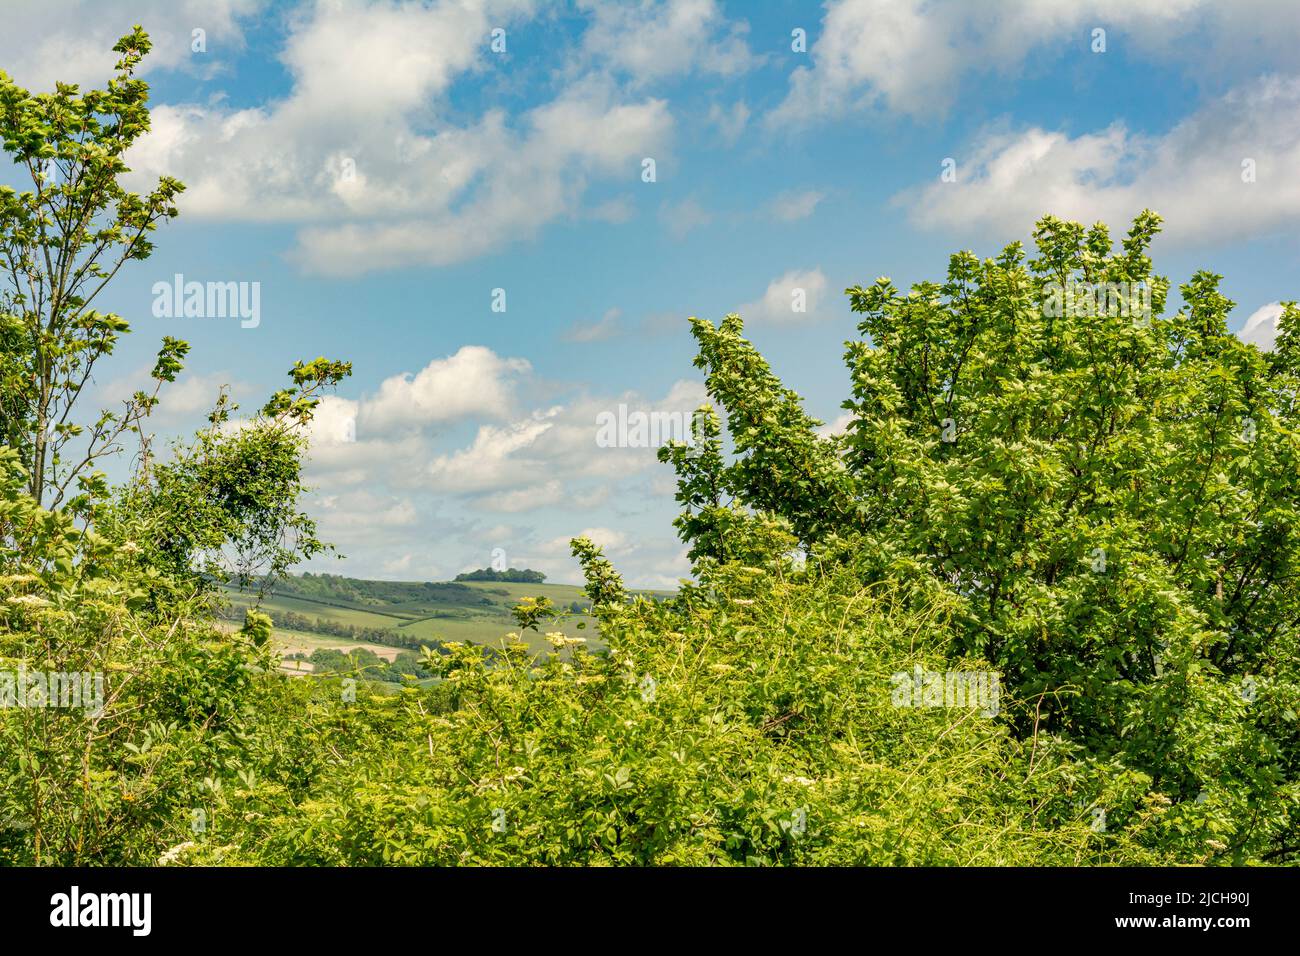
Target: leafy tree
x,y
118,586
61,243
1112,494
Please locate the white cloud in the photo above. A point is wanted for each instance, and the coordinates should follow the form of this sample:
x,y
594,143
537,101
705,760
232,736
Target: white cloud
x,y
385,498
333,422
191,396
784,294
1261,327
361,60
72,42
592,498
838,426
365,509
1192,175
680,218
730,122
488,462
400,565
652,40
475,381
796,204
616,210
388,433
912,56
545,467
606,327
507,184
607,538
685,394
610,540
360,154
523,499
556,443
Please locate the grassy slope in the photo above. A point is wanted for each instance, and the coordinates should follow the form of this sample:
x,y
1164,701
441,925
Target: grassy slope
x,y
409,609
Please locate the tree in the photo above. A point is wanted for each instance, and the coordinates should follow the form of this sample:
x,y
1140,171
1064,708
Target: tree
x,y
1111,492
111,592
61,243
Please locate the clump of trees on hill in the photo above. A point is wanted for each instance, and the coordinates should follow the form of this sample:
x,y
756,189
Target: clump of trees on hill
x,y
1099,509
512,575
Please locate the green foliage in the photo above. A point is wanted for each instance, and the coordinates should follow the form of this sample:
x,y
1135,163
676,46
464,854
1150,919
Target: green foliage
x,y
397,597
257,627
729,730
365,664
604,584
1100,508
126,705
225,504
514,575
101,784
64,241
1112,497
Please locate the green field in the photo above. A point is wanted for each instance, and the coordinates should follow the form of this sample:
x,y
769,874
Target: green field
x,y
327,611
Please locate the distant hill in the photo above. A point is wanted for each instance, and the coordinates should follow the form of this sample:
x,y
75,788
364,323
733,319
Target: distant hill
x,y
313,612
377,594
329,611
512,575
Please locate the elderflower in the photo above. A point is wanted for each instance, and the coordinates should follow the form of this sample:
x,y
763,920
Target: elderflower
x,y
560,641
172,855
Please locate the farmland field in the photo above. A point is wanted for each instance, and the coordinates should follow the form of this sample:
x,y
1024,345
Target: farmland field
x,y
331,612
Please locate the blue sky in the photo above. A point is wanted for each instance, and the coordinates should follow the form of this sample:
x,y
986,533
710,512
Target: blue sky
x,y
379,170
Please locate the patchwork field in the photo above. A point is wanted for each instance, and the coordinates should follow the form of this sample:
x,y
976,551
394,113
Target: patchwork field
x,y
313,612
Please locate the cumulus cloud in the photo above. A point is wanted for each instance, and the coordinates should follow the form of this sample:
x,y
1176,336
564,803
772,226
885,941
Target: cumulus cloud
x,y
545,466
1261,326
789,299
612,541
651,40
544,495
360,155
73,41
506,183
911,56
838,426
495,459
364,509
556,443
1226,172
473,381
389,434
190,396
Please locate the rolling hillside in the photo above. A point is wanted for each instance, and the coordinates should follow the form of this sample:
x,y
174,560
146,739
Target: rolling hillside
x,y
315,611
